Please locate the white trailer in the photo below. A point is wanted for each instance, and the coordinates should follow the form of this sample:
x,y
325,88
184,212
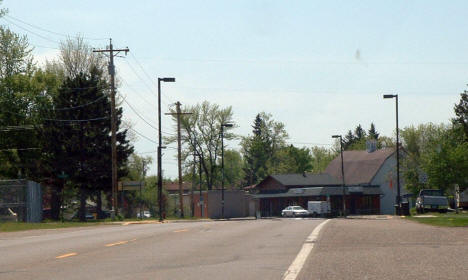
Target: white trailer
x,y
318,208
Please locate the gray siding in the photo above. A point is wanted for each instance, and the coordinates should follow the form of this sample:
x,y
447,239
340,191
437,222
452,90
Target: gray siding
x,y
387,173
235,204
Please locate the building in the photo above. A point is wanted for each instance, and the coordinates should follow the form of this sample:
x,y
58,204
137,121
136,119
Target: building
x,y
237,204
173,187
276,192
376,168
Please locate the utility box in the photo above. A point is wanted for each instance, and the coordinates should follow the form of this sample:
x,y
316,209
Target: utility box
x,y
319,208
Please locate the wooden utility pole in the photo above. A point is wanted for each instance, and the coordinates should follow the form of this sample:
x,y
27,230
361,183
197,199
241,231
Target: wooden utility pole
x,y
179,154
113,52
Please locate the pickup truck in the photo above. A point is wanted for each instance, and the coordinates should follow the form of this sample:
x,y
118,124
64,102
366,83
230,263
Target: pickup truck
x,y
431,200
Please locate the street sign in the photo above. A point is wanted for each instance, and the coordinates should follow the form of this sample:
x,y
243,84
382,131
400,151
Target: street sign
x,y
130,186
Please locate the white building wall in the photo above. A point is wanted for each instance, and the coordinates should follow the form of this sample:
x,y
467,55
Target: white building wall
x,y
384,176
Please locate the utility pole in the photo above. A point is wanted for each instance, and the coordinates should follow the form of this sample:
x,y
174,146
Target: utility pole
x,y
179,154
192,206
113,52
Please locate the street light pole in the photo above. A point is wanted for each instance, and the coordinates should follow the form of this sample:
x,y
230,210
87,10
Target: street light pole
x,y
160,145
222,166
342,174
398,198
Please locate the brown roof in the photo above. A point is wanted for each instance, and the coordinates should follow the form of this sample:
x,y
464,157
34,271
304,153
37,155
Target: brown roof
x,y
360,167
175,186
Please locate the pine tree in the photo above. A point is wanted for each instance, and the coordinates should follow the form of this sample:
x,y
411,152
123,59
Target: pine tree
x,y
373,134
359,133
461,112
79,136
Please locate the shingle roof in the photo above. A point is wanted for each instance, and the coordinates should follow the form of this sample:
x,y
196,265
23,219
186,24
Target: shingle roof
x,y
175,186
319,191
308,180
360,167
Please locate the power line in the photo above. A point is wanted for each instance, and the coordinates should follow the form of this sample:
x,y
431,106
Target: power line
x,y
146,137
147,75
145,83
52,32
135,111
81,106
32,32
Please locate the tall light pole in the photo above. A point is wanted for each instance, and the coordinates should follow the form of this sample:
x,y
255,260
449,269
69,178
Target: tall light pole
x,y
223,125
342,174
398,198
160,147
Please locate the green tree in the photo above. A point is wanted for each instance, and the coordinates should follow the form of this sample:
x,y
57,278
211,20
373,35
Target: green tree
x,y
202,134
461,113
261,151
372,132
321,157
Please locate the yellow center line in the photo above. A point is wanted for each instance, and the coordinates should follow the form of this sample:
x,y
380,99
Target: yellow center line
x,y
131,240
181,230
116,243
66,255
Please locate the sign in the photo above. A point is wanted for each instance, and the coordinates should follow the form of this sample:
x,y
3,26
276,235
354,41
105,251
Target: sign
x,y
130,186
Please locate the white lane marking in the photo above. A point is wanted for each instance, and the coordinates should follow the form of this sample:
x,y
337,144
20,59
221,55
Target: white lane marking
x,y
298,263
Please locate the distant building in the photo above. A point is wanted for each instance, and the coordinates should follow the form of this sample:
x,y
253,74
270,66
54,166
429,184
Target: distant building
x,y
173,187
370,180
276,192
370,168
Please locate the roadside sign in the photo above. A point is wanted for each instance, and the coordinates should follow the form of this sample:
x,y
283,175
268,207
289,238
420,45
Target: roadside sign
x,y
130,186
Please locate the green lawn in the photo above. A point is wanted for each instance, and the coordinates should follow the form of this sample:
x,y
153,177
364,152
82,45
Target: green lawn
x,y
444,220
19,226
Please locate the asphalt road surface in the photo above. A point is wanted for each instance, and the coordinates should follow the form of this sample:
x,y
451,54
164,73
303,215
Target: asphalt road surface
x,y
252,249
387,249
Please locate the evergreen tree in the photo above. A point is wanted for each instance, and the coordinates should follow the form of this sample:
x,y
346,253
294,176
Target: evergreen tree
x,y
348,140
79,136
461,112
373,134
359,133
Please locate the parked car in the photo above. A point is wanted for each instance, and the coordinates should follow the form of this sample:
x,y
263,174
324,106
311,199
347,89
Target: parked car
x,y
431,200
294,211
145,214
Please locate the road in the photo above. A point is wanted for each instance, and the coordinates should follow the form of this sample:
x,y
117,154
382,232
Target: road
x,y
387,249
252,249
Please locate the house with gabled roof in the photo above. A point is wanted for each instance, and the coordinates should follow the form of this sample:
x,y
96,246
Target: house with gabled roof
x,y
370,185
276,192
369,168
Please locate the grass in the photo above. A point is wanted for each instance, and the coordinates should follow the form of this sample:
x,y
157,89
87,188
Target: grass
x,y
20,226
443,219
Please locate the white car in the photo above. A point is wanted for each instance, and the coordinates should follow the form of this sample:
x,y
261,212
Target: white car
x,y
294,211
146,214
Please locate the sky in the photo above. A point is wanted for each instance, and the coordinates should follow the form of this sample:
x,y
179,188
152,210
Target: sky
x,y
319,67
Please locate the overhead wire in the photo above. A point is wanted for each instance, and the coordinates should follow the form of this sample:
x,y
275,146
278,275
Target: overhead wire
x,y
27,30
148,76
52,32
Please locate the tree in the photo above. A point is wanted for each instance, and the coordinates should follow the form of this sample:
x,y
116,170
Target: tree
x,y
20,96
77,136
461,112
348,140
233,172
321,157
372,132
202,134
261,150
359,133
291,159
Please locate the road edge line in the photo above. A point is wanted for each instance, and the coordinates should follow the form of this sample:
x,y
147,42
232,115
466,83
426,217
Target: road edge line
x,y
296,266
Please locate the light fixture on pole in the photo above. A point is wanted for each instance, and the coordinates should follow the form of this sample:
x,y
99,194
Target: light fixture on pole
x,y
342,174
160,147
398,197
223,125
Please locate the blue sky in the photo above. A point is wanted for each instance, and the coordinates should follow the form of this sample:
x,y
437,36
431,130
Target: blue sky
x,y
320,67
